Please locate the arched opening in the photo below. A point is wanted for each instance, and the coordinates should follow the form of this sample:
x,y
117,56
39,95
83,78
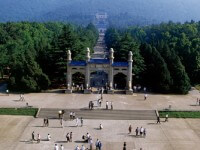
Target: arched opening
x,y
78,80
120,81
98,79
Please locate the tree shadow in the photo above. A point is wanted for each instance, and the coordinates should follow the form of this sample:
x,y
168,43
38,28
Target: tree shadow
x,y
78,141
97,128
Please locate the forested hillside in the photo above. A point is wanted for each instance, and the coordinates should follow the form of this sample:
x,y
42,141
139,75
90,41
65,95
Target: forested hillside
x,y
33,55
121,12
166,57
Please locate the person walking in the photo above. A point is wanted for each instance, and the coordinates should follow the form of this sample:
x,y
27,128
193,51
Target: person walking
x,y
77,122
141,131
48,137
136,131
91,143
145,96
145,132
111,105
124,147
47,122
100,126
77,148
61,147
33,136
61,122
129,129
70,137
100,145
106,105
73,115
81,121
158,119
97,144
166,118
82,147
38,138
56,147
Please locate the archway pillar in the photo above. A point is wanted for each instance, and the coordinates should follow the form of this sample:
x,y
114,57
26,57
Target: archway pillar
x,y
129,89
69,73
87,89
111,90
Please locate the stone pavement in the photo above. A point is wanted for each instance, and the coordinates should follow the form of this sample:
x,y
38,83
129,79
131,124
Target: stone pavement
x,y
120,101
177,134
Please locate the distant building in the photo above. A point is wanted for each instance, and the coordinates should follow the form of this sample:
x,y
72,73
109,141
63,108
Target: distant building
x,y
101,21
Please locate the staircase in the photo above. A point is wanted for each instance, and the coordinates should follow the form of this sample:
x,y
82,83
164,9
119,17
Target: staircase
x,y
101,114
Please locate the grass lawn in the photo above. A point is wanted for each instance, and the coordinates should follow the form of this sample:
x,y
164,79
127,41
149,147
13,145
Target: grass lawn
x,y
19,111
180,114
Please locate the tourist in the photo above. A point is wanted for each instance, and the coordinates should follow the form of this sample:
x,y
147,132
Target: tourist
x,y
145,132
81,121
124,147
33,136
61,147
106,104
77,121
158,119
145,89
82,147
38,138
48,137
145,96
70,137
166,117
129,129
7,92
44,122
100,126
97,144
59,114
92,105
197,102
141,131
56,147
111,105
100,145
26,104
99,101
61,122
47,122
77,148
136,131
115,85
90,143
135,88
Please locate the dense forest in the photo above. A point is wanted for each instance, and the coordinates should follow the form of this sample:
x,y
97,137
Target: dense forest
x,y
129,12
166,56
33,55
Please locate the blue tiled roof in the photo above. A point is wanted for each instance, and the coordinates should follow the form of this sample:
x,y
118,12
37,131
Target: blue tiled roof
x,y
120,64
78,63
99,61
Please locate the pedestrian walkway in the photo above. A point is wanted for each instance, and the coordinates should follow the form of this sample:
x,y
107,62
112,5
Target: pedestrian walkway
x,y
101,114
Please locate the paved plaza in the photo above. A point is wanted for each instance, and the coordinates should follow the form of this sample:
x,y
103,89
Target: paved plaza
x,y
177,134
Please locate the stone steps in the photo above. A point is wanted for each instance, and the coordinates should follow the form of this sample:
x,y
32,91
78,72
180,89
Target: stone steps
x,y
101,114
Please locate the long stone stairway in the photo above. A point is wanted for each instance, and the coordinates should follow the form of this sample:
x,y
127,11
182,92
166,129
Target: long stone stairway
x,y
100,114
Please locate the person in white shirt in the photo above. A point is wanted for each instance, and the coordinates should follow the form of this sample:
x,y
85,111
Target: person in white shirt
x,y
48,137
56,147
61,147
77,148
100,126
82,147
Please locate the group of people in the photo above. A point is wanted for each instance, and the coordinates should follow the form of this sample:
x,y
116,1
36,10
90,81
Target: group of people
x,y
69,137
78,121
91,105
87,138
107,105
46,122
138,131
57,147
38,139
21,97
